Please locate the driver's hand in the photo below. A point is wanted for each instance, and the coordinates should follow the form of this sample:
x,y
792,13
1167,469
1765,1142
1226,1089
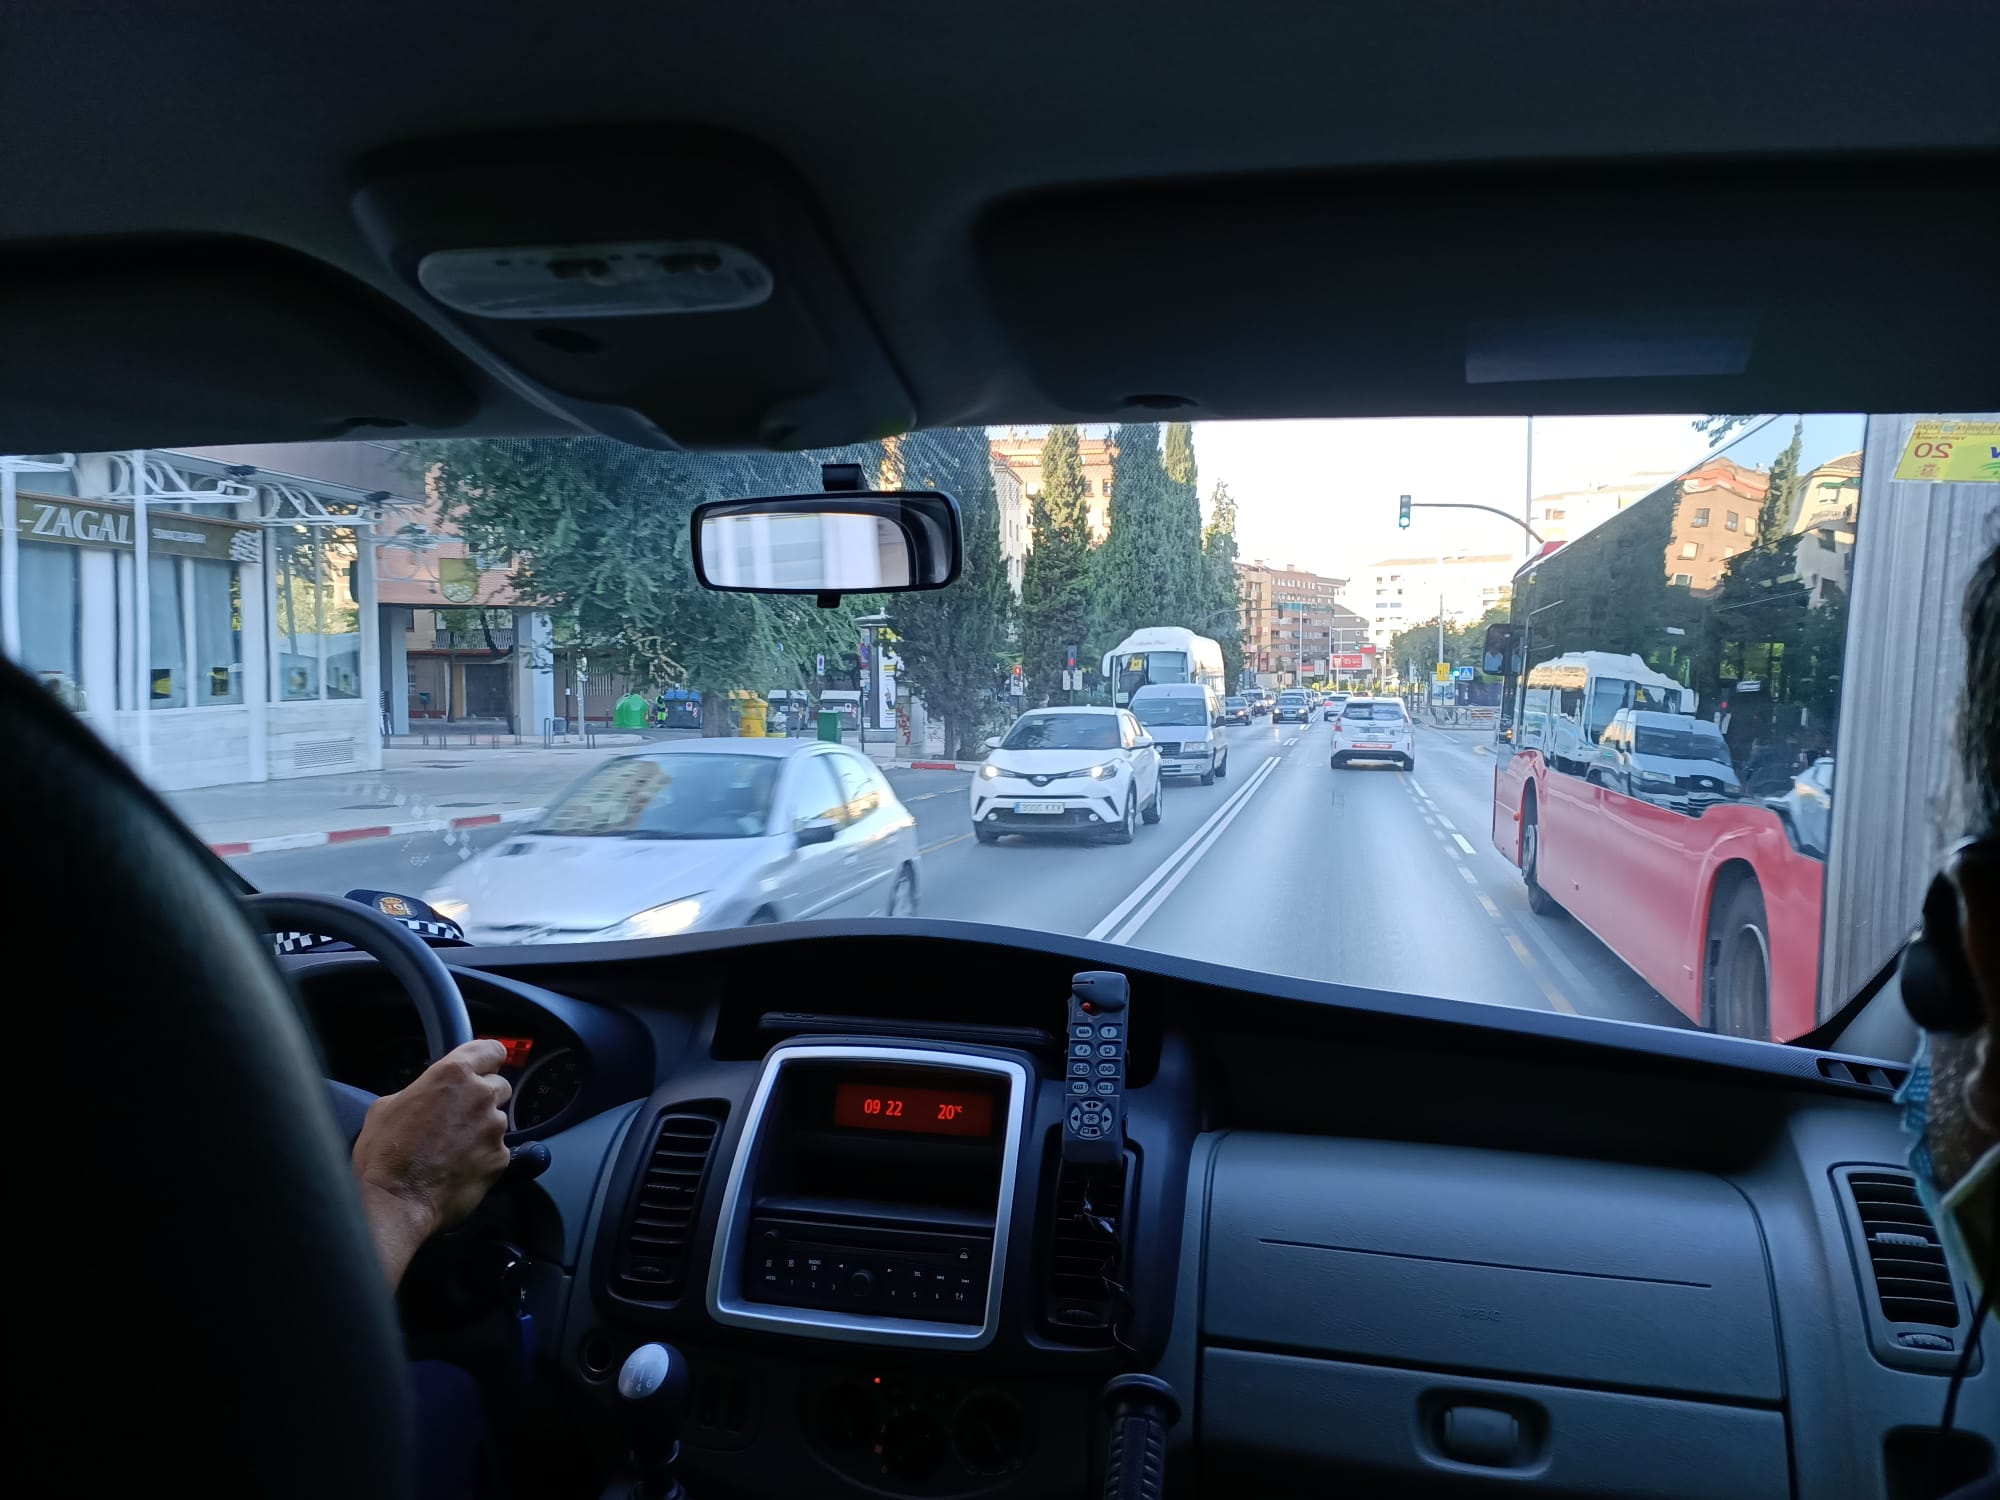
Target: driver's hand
x,y
427,1155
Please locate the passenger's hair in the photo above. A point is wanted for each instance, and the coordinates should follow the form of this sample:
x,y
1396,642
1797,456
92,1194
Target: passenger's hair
x,y
1979,717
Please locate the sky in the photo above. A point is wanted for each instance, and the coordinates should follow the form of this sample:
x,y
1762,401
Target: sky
x,y
1323,494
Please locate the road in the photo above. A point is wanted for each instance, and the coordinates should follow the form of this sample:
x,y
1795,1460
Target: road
x,y
1368,876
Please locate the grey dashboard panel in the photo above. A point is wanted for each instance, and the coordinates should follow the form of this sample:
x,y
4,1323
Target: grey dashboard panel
x,y
1279,1425
1620,1276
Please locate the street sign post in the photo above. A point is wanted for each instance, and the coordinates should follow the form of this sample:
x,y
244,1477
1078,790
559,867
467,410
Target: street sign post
x,y
1443,671
1463,674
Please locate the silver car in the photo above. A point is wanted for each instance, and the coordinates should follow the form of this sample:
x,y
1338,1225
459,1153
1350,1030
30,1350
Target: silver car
x,y
696,835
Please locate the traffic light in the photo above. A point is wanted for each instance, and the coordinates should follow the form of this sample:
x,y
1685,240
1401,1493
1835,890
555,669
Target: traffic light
x,y
1069,658
1403,515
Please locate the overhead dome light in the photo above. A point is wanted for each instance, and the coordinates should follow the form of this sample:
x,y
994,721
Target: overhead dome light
x,y
632,280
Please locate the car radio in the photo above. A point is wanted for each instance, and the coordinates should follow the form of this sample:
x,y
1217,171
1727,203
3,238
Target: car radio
x,y
869,1199
895,1273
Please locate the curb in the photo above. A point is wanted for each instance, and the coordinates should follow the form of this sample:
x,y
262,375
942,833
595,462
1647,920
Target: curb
x,y
318,837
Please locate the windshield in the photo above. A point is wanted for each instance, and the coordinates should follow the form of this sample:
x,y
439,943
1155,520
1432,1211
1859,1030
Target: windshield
x,y
1182,711
669,797
1689,742
482,673
1063,732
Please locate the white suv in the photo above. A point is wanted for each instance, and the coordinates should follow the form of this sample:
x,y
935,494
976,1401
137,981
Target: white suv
x,y
1068,770
1374,729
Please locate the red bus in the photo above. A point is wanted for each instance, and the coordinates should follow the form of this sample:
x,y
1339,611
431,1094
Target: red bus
x,y
1666,775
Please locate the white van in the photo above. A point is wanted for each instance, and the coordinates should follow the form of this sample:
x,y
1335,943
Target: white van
x,y
1185,721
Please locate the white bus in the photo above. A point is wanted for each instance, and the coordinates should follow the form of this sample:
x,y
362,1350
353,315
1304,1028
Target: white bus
x,y
1160,654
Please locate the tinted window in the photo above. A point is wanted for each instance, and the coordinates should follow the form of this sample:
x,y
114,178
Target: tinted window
x,y
1700,741
858,790
1063,732
1379,712
817,795
669,797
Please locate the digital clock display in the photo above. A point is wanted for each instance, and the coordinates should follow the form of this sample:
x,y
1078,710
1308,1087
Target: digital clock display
x,y
926,1111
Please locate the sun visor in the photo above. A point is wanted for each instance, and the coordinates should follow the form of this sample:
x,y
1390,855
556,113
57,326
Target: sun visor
x,y
672,287
202,340
1758,287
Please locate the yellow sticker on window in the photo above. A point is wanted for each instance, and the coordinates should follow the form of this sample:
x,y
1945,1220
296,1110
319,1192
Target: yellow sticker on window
x,y
1952,453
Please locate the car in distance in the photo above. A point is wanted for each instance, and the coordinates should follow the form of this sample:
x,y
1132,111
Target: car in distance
x,y
1373,729
1334,703
1236,709
1068,770
1185,721
706,834
1291,705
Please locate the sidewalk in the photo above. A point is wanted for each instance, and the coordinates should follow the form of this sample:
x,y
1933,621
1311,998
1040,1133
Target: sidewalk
x,y
416,791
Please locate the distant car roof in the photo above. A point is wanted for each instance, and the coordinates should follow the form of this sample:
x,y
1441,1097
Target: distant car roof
x,y
1057,708
747,746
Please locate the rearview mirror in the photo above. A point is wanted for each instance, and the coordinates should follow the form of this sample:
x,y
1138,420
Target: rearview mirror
x,y
837,542
818,831
992,742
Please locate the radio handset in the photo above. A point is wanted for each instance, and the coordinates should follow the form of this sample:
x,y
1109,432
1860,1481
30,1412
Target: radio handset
x,y
1094,1080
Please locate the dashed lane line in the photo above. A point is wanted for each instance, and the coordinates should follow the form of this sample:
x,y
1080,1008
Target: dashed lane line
x,y
1462,841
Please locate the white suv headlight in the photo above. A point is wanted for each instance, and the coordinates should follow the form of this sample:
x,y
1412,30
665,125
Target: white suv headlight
x,y
1104,772
989,772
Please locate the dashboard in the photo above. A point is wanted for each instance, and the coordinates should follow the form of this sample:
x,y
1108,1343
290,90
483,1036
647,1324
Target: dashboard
x,y
1366,1238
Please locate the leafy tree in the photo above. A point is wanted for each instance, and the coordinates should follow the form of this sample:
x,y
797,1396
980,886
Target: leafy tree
x,y
597,531
1150,566
1056,579
1187,577
1718,427
1221,605
954,641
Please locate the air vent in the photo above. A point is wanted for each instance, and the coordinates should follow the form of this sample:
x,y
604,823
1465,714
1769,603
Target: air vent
x,y
1912,1282
654,1256
1086,1294
1865,1074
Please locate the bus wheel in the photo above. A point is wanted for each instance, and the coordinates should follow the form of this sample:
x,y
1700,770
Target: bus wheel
x,y
1540,902
1738,972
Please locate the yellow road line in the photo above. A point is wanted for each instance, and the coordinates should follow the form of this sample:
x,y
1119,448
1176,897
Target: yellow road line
x,y
946,843
1556,997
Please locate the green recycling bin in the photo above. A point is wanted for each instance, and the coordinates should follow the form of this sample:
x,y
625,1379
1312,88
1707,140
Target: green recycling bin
x,y
829,726
629,712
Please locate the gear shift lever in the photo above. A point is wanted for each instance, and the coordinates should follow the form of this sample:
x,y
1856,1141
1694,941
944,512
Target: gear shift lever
x,y
653,1397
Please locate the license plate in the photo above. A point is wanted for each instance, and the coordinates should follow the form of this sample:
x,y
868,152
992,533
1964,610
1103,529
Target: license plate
x,y
1371,747
1038,807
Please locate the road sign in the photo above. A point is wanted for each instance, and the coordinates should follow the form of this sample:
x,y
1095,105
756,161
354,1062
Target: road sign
x,y
1463,674
1443,671
820,662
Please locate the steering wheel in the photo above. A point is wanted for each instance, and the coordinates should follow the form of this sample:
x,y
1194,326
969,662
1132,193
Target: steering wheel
x,y
410,961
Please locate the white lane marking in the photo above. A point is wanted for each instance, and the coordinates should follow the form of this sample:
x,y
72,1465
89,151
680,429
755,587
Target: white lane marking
x,y
1466,872
1464,843
1161,870
1450,827
1131,928
1291,740
1486,905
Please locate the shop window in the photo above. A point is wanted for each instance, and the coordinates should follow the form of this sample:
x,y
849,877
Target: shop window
x,y
316,618
216,599
50,610
166,666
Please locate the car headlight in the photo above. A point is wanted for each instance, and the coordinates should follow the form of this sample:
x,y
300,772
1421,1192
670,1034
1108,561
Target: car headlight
x,y
660,921
449,909
989,771
1659,778
1104,772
